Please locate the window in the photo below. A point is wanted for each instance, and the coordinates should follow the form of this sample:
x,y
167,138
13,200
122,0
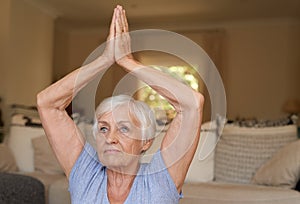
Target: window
x,y
163,109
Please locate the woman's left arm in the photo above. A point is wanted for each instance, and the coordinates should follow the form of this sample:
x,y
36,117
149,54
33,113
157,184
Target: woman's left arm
x,y
181,139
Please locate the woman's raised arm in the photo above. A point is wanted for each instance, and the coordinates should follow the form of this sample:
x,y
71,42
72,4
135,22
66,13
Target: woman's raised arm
x,y
180,142
63,135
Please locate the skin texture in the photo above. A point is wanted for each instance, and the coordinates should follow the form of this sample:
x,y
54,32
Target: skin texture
x,y
119,142
116,146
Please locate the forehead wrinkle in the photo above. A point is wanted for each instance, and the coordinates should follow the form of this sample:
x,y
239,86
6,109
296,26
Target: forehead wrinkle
x,y
99,116
123,121
128,115
109,117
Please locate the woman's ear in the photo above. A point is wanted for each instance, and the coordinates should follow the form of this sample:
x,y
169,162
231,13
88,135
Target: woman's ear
x,y
146,145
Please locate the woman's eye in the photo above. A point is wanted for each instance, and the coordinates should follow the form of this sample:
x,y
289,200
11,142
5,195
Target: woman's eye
x,y
124,129
103,129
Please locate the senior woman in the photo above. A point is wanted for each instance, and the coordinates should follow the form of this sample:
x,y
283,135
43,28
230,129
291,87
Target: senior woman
x,y
124,128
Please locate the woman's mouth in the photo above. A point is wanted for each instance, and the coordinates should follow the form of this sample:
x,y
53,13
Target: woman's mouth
x,y
112,151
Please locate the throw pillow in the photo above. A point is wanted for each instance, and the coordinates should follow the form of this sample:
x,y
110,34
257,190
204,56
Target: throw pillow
x,y
19,141
202,166
7,160
282,170
44,158
240,151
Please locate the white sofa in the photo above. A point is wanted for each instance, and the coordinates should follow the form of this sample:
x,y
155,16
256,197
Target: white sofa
x,y
233,172
34,157
251,165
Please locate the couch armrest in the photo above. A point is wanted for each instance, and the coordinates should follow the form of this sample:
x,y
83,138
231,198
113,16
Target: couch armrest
x,y
15,188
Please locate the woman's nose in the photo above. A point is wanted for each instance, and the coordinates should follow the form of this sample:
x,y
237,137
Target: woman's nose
x,y
111,138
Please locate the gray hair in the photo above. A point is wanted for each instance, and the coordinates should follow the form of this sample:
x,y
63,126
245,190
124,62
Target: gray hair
x,y
139,111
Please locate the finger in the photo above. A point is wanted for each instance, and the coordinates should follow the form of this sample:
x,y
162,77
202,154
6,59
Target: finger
x,y
112,24
119,7
127,37
121,18
125,23
118,22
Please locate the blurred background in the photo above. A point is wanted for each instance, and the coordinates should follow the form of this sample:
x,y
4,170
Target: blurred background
x,y
255,45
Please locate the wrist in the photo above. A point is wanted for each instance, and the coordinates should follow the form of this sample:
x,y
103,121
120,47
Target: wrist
x,y
105,60
126,61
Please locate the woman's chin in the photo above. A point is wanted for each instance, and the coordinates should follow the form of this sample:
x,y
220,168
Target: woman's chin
x,y
120,163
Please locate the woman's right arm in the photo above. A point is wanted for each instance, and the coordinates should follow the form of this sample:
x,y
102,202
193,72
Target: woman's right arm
x,y
63,135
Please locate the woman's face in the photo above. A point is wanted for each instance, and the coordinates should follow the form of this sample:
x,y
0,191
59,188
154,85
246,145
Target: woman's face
x,y
118,141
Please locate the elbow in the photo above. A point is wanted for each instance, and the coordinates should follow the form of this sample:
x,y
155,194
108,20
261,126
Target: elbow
x,y
40,100
196,110
199,102
193,104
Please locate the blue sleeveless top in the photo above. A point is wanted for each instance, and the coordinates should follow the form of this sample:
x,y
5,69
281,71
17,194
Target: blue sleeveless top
x,y
152,185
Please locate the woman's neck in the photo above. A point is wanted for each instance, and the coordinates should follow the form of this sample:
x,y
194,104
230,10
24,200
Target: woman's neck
x,y
117,179
118,186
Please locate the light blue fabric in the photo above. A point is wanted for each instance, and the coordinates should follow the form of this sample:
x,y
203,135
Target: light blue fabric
x,y
88,182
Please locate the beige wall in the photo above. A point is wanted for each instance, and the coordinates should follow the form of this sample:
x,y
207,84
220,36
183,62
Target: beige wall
x,y
60,54
294,60
4,36
72,48
29,40
261,67
259,63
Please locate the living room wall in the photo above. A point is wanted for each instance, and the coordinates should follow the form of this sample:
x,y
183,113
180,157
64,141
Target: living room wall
x,y
72,47
4,36
31,42
28,38
259,61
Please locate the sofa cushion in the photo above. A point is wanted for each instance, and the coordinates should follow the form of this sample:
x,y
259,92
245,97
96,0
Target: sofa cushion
x,y
19,141
16,188
241,150
202,165
220,193
282,170
46,179
7,160
44,158
58,192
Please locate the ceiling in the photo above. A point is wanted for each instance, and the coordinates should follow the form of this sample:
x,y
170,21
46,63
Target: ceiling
x,y
143,11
